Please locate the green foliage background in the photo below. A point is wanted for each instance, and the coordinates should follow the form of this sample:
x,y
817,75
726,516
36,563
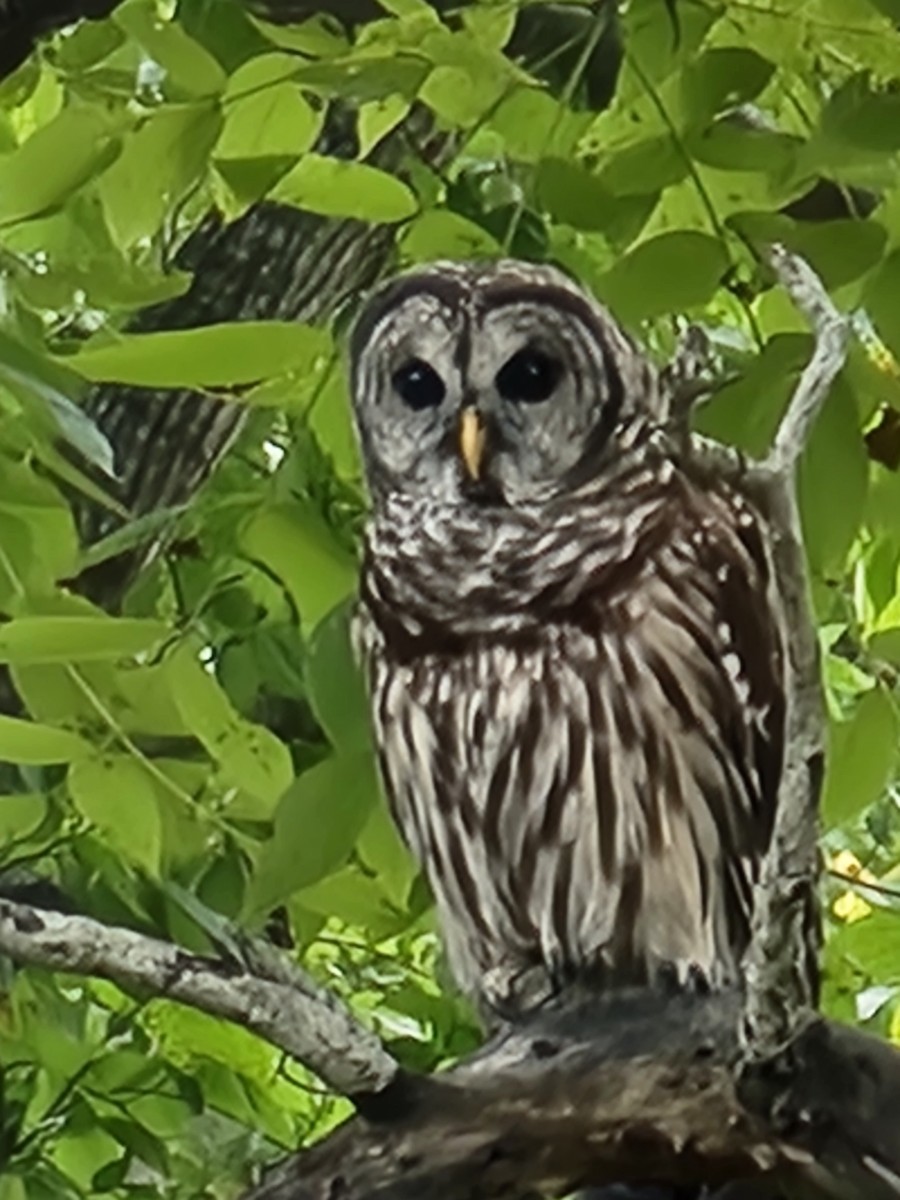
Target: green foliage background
x,y
203,758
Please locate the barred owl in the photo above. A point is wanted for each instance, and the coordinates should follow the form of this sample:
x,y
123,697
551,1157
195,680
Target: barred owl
x,y
573,660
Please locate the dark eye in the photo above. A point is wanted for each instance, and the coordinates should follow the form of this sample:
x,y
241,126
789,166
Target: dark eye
x,y
530,375
418,385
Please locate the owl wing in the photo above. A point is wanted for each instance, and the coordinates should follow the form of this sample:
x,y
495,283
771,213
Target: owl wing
x,y
697,706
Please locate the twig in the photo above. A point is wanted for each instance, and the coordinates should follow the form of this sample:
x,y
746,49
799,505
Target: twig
x,y
283,1005
832,332
861,885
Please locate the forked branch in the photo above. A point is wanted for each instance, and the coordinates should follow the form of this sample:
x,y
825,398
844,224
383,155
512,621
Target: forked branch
x,y
272,998
779,969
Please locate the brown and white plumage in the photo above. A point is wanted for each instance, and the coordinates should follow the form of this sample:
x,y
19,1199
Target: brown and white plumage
x,y
574,665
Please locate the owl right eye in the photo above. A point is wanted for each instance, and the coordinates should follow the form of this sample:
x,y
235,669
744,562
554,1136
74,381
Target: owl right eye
x,y
418,385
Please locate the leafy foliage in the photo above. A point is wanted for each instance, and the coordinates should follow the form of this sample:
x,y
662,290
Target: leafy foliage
x,y
204,755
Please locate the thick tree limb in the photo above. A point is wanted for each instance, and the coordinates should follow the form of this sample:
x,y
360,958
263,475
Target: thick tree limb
x,y
636,1087
287,1008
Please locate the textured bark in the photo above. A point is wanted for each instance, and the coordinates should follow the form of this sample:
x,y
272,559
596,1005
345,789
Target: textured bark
x,y
253,986
635,1089
273,263
631,1088
643,1086
22,22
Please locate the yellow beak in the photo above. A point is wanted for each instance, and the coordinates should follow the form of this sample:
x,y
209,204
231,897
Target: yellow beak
x,y
472,436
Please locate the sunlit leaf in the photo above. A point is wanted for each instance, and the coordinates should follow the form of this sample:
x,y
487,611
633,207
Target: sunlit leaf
x,y
27,742
862,753
64,639
333,799
215,356
669,272
249,756
335,683
116,795
55,161
337,188
300,549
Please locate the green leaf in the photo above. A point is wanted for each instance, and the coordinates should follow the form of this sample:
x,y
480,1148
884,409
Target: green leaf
x,y
20,815
884,635
214,356
189,69
298,547
353,896
249,756
172,147
139,1141
441,234
861,117
668,273
722,77
266,115
571,193
80,639
37,533
361,80
381,849
55,161
732,147
880,301
460,96
118,797
28,743
833,480
861,757
746,413
534,124
111,1176
873,943
337,188
890,8
52,384
317,823
644,167
334,682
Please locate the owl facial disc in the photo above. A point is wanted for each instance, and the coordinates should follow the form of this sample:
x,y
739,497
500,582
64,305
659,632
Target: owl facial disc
x,y
486,384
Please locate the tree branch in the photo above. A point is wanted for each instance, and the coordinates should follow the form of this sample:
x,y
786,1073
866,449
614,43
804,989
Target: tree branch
x,y
832,334
779,970
633,1087
283,1004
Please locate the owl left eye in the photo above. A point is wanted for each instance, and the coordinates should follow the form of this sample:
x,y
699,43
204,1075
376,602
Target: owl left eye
x,y
418,385
529,376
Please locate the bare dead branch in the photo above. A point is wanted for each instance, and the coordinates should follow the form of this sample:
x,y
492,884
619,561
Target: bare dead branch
x,y
779,969
832,335
291,1011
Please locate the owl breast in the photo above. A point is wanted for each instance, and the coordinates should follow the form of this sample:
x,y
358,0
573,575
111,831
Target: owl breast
x,y
579,736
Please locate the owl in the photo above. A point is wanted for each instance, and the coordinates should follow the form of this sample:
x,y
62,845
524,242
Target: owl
x,y
569,637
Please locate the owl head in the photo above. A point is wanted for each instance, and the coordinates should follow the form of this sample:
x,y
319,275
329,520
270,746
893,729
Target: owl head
x,y
497,382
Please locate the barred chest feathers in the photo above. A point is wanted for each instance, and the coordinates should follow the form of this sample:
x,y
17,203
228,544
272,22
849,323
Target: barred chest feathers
x,y
578,707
